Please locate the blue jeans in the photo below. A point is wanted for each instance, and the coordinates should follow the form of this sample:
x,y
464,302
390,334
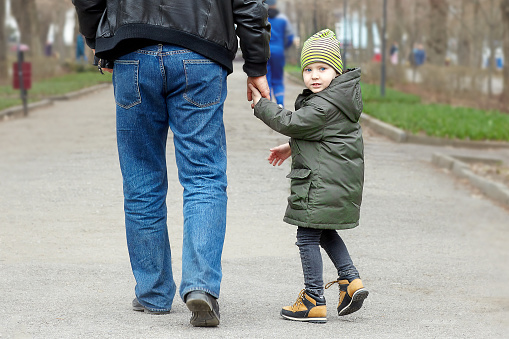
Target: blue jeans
x,y
309,241
156,88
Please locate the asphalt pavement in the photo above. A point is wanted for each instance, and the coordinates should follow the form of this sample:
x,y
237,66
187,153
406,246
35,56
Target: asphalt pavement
x,y
431,249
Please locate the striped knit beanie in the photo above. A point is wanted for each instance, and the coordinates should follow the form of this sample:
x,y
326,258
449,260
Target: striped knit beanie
x,y
322,47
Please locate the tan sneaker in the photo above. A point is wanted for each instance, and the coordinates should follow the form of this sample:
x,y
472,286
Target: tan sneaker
x,y
306,308
351,295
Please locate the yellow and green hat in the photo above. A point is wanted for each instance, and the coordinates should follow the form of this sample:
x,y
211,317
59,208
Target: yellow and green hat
x,y
322,47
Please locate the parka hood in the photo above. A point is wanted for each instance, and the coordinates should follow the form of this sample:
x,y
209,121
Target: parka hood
x,y
344,92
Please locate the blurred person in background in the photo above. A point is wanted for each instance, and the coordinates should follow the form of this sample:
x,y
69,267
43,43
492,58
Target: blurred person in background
x,y
394,51
419,55
80,49
281,38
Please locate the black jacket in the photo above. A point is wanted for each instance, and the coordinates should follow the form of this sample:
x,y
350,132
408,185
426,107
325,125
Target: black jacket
x,y
207,27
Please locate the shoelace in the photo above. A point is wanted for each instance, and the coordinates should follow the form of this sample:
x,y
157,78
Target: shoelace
x,y
299,300
332,283
329,284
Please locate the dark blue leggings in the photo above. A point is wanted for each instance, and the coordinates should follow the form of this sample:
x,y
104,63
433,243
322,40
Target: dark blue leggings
x,y
309,241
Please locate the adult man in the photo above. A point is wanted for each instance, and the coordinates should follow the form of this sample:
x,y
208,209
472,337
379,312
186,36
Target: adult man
x,y
280,39
171,61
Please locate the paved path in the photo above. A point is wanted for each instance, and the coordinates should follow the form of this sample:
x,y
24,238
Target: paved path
x,y
432,251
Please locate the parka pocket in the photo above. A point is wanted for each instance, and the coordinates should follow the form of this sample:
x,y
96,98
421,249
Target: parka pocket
x,y
299,190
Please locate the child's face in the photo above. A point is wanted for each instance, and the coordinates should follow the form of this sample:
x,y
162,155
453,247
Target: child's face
x,y
318,76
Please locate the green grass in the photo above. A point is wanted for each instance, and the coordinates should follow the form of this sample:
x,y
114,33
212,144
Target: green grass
x,y
52,87
371,93
407,112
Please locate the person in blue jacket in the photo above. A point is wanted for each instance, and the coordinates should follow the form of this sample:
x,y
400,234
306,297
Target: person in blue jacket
x,y
281,37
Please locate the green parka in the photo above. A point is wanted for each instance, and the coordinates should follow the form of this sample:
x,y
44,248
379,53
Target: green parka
x,y
327,174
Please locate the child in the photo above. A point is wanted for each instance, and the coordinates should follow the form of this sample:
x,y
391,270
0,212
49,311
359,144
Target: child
x,y
327,173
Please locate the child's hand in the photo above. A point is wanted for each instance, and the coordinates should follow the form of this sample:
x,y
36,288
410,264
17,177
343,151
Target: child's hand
x,y
279,154
256,95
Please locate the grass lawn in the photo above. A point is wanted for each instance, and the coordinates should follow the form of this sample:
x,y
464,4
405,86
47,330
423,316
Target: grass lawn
x,y
51,87
406,111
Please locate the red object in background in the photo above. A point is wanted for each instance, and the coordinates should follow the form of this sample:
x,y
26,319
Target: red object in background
x,y
27,75
377,57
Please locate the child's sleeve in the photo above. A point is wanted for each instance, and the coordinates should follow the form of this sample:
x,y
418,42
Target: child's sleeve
x,y
307,123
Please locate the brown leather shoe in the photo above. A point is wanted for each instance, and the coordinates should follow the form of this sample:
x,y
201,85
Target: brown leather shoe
x,y
140,308
204,308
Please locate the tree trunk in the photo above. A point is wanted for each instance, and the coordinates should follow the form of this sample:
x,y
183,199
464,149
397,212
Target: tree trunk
x,y
437,43
504,7
360,23
25,12
463,51
61,51
370,45
397,28
3,44
479,37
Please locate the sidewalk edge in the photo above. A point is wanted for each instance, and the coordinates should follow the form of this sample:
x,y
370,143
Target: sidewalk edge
x,y
17,111
491,189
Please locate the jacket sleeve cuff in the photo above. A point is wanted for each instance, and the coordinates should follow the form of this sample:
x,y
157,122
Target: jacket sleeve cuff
x,y
90,42
255,69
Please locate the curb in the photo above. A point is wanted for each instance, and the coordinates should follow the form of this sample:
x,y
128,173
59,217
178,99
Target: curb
x,y
458,167
17,111
393,133
81,92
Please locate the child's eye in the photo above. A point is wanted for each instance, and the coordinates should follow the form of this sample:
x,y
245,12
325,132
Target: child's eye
x,y
322,68
307,70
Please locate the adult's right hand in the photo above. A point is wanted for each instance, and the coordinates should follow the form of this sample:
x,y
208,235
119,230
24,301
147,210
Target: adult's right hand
x,y
109,70
261,84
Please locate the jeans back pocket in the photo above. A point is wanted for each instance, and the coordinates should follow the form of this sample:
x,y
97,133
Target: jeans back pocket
x,y
125,77
204,81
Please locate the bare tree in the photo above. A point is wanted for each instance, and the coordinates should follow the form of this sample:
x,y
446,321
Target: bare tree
x,y
370,43
504,9
437,42
396,27
465,33
25,12
3,42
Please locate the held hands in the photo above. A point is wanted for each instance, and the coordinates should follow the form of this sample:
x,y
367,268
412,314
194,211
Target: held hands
x,y
260,85
279,154
255,94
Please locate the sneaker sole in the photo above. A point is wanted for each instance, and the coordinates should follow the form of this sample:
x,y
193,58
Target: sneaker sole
x,y
356,302
309,320
150,312
203,315
141,308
